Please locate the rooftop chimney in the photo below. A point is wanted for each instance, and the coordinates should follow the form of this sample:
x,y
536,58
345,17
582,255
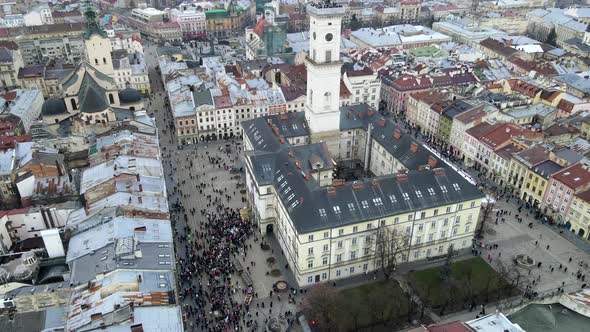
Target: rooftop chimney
x,y
413,147
397,134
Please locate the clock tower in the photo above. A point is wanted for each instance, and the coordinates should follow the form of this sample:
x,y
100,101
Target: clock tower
x,y
322,107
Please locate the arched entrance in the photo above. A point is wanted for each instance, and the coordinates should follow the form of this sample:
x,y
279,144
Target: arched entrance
x,y
269,228
581,233
568,225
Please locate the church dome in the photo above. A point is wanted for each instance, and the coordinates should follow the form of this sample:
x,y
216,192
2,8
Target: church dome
x,y
54,106
129,96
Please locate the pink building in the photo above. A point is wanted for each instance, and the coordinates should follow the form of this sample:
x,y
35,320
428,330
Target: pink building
x,y
563,185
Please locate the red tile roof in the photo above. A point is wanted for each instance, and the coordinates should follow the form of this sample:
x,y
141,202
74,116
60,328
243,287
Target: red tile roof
x,y
363,72
71,13
507,151
552,95
481,129
429,97
560,129
471,115
450,327
524,87
9,44
165,25
534,155
9,142
565,105
585,196
296,74
344,92
440,105
222,102
501,135
498,47
10,95
574,176
409,82
259,28
292,92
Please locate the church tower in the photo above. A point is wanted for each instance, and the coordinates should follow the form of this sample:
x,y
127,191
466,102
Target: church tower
x,y
96,43
322,109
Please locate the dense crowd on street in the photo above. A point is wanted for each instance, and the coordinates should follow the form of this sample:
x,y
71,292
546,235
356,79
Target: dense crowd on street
x,y
211,241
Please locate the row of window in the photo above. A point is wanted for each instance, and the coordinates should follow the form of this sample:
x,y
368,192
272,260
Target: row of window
x,y
351,270
420,227
324,275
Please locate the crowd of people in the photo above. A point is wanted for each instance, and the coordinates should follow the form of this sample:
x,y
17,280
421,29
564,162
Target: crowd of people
x,y
211,237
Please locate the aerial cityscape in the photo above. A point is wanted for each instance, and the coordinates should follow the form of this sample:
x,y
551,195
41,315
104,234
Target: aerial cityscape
x,y
295,165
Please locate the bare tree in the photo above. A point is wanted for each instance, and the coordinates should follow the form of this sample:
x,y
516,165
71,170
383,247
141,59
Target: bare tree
x,y
322,304
446,270
514,277
389,247
486,214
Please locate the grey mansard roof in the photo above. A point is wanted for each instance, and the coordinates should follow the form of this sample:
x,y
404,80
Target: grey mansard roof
x,y
377,198
260,131
360,116
314,208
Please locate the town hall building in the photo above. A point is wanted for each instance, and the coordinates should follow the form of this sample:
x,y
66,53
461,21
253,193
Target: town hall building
x,y
327,227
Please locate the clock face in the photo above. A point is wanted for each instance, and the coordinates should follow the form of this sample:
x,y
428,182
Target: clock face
x,y
329,37
314,36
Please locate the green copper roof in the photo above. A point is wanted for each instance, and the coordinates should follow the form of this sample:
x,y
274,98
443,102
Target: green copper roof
x,y
92,26
216,13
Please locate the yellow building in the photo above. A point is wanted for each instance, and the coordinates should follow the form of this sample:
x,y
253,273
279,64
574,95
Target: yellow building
x,y
536,181
578,215
230,21
523,176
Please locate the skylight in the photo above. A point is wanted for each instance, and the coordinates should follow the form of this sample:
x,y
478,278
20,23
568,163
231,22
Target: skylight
x,y
456,186
365,204
443,188
406,196
337,209
322,212
377,201
431,191
392,198
351,207
419,193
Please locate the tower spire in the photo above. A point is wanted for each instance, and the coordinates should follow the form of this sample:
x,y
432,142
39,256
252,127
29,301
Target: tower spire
x,y
91,17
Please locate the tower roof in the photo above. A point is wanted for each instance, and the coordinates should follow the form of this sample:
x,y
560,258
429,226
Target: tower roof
x,y
92,26
259,28
325,8
92,97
